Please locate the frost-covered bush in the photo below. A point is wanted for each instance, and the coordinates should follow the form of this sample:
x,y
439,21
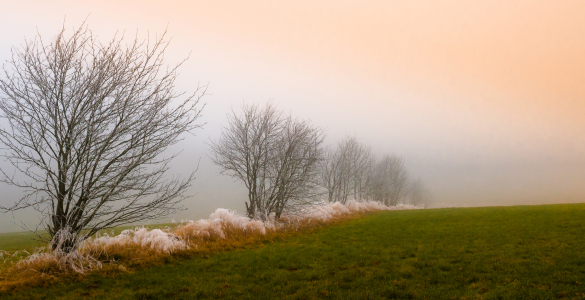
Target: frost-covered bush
x,y
55,263
321,212
155,239
49,261
223,224
324,211
356,206
206,229
229,218
219,222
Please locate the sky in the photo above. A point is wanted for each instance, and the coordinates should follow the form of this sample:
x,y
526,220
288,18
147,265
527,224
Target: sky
x,y
484,100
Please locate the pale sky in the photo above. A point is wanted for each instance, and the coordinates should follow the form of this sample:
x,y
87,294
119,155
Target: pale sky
x,y
484,100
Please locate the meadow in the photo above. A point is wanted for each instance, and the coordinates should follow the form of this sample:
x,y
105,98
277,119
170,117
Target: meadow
x,y
519,252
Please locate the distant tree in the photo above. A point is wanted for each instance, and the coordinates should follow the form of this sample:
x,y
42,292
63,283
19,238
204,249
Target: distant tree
x,y
351,171
344,172
389,180
418,194
275,156
87,124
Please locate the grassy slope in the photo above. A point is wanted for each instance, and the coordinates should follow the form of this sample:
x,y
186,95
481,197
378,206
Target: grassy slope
x,y
530,252
15,241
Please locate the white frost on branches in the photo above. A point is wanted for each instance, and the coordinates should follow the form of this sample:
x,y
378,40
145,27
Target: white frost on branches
x,y
155,239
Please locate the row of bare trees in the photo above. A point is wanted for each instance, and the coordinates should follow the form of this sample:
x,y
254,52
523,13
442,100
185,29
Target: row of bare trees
x,y
351,171
344,171
282,164
86,124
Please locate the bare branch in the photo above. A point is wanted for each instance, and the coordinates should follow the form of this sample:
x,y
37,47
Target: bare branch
x,y
87,124
276,158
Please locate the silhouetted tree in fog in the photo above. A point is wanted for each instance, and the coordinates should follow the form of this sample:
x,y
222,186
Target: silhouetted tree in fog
x,y
388,181
345,171
351,171
87,123
418,194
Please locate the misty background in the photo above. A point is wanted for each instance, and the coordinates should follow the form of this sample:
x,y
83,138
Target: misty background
x,y
484,100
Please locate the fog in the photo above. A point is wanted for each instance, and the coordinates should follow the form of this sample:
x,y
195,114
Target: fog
x,y
484,100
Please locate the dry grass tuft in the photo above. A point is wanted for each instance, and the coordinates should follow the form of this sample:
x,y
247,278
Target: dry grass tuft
x,y
43,268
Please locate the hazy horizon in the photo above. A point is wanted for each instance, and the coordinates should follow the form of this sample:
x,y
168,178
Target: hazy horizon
x,y
484,100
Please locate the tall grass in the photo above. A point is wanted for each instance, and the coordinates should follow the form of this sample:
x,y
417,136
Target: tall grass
x,y
141,247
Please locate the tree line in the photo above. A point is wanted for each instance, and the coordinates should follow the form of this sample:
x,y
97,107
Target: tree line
x,y
282,162
86,126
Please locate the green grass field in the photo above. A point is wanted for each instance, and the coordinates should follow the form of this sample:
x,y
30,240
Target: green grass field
x,y
522,252
16,241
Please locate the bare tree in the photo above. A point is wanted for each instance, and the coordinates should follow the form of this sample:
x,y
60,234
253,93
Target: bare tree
x,y
331,174
418,194
388,181
344,172
276,157
87,123
295,172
